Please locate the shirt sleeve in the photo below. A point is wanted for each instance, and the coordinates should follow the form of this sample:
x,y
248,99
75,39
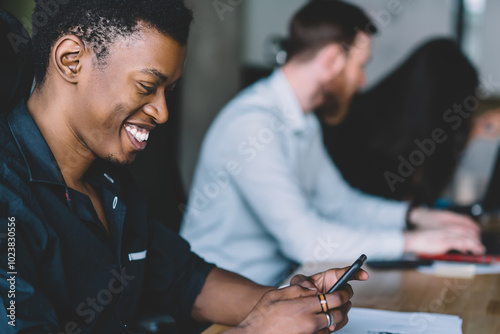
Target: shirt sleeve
x,y
271,187
336,199
174,275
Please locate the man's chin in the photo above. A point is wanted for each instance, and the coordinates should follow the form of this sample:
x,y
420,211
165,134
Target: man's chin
x,y
334,120
335,108
120,162
332,114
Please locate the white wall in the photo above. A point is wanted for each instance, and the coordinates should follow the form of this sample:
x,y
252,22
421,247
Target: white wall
x,y
403,24
211,77
489,55
264,18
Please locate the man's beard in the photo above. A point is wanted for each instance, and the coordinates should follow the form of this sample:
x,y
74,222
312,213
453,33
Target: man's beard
x,y
333,109
112,159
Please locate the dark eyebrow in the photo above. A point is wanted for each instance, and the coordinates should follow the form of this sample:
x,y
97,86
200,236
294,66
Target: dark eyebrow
x,y
160,77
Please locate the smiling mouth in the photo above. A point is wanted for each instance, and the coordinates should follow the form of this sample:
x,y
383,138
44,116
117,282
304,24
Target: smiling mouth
x,y
138,133
138,136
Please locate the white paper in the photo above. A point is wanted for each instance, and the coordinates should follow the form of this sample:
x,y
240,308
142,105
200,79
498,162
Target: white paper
x,y
369,321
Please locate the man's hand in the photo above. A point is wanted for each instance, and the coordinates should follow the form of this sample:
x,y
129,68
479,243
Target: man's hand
x,y
296,309
441,241
322,282
440,231
424,218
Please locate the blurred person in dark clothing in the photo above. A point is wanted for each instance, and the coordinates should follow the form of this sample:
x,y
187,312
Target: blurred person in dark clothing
x,y
388,146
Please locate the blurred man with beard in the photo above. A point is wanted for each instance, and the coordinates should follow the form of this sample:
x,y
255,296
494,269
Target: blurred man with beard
x,y
265,190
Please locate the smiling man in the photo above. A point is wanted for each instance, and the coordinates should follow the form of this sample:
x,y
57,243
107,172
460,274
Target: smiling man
x,y
82,253
83,123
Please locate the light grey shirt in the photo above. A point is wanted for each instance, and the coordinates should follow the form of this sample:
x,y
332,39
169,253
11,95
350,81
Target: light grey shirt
x,y
267,195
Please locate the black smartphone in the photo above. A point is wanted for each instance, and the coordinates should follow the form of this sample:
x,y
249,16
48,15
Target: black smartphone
x,y
348,274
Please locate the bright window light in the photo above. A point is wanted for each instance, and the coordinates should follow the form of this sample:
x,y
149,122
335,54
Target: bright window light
x,y
475,6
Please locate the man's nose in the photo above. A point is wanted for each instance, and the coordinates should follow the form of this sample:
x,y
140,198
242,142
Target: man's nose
x,y
158,109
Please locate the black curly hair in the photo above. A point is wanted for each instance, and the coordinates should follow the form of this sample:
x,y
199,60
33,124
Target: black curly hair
x,y
99,22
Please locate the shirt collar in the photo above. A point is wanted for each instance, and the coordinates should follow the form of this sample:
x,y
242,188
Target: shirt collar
x,y
41,164
288,105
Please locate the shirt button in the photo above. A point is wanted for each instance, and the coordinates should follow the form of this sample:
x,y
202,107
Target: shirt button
x,y
115,202
123,323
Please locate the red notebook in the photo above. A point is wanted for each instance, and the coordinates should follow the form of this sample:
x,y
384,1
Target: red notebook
x,y
482,259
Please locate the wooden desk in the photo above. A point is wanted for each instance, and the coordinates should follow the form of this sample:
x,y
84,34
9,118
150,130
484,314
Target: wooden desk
x,y
215,329
476,301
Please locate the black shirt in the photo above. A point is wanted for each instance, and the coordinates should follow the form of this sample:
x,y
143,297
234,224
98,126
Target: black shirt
x,y
70,274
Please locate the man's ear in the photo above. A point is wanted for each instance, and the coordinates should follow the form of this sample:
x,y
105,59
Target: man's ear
x,y
67,56
334,59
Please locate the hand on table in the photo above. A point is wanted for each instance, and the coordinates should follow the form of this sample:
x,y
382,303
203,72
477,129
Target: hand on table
x,y
297,309
439,231
440,242
424,218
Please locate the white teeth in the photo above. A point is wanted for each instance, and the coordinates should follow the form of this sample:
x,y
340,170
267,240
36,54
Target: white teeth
x,y
139,134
